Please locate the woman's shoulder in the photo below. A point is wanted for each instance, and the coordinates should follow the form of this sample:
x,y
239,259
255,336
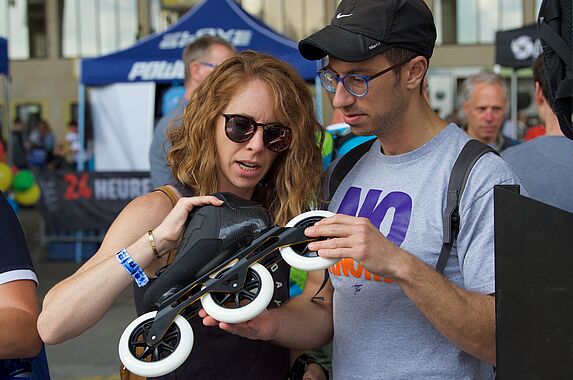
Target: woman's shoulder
x,y
155,200
147,207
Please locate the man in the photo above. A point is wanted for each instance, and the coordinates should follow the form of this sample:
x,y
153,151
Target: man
x,y
199,57
484,101
17,144
392,315
544,164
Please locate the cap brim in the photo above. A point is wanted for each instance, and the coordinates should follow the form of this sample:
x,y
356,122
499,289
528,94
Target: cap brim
x,y
339,43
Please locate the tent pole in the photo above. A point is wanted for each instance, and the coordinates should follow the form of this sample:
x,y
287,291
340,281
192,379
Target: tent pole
x,y
318,94
80,158
6,85
81,126
514,104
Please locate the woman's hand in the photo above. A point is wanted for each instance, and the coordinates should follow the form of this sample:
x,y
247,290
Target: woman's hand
x,y
261,327
314,372
168,233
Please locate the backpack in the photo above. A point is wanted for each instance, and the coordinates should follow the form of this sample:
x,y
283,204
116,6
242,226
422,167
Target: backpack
x,y
471,152
555,32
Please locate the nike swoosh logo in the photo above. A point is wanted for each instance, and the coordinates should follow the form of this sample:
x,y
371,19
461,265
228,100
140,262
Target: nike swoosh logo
x,y
340,15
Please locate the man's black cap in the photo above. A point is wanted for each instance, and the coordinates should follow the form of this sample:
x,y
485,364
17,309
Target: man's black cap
x,y
362,29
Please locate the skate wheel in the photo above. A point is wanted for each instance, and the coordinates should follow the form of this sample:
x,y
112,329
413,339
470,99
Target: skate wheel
x,y
233,307
298,256
147,361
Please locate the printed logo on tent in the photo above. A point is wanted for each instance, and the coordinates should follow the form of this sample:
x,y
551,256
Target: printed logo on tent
x,y
156,70
178,40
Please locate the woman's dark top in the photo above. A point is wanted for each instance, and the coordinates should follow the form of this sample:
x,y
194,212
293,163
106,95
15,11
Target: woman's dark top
x,y
217,354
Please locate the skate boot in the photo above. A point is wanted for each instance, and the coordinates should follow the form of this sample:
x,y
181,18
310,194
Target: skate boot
x,y
212,235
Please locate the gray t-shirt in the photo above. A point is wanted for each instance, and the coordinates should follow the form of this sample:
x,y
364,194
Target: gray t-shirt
x,y
160,145
378,332
545,166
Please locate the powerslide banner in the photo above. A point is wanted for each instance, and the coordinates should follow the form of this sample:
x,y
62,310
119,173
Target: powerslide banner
x,y
88,200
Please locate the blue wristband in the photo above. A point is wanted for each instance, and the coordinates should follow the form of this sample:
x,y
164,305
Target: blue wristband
x,y
132,268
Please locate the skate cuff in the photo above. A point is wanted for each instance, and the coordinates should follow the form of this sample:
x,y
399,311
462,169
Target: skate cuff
x,y
132,268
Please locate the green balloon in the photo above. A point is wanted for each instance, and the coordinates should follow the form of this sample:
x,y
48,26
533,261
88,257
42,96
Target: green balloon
x,y
23,180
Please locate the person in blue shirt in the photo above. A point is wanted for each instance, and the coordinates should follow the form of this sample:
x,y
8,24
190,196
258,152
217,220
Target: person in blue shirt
x,y
19,338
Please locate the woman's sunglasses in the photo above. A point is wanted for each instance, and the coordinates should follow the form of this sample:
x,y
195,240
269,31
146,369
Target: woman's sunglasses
x,y
240,129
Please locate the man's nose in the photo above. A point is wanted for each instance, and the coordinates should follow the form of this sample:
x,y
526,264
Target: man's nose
x,y
342,98
488,115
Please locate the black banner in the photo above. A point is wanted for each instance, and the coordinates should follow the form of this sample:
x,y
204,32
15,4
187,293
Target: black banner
x,y
88,200
517,48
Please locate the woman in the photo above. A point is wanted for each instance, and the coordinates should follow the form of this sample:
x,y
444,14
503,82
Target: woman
x,y
212,151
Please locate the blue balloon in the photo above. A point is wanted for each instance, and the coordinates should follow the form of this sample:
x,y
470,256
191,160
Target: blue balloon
x,y
171,98
14,204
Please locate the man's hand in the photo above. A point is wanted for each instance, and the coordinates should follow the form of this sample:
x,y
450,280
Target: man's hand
x,y
358,239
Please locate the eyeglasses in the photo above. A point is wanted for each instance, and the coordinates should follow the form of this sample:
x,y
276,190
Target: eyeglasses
x,y
211,65
240,129
356,84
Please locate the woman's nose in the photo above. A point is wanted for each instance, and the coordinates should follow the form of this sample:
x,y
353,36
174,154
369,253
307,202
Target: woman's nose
x,y
256,142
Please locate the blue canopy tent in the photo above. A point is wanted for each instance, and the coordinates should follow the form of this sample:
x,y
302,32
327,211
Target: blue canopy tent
x,y
3,56
157,58
4,74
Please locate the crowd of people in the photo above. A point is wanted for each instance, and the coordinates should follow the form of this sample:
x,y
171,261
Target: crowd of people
x,y
39,148
247,126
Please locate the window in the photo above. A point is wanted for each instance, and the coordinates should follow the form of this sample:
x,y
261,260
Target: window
x,y
37,28
23,23
475,21
166,12
537,6
93,28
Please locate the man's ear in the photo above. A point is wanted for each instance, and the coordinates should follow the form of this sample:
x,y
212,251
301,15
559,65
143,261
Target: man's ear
x,y
465,107
538,93
194,67
416,72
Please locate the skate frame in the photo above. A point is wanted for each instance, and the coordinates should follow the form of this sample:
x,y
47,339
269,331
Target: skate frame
x,y
231,281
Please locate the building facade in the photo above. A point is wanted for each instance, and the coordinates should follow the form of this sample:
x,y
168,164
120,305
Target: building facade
x,y
48,37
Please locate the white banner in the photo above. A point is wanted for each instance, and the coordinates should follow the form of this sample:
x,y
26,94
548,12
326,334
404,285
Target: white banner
x,y
122,116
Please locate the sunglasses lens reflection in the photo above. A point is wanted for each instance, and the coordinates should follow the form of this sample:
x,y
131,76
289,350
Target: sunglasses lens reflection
x,y
239,129
276,137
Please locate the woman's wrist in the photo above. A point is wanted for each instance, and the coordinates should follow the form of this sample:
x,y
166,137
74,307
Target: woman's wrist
x,y
162,244
301,365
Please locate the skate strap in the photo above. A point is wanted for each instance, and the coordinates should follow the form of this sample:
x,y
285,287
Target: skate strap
x,y
173,196
324,281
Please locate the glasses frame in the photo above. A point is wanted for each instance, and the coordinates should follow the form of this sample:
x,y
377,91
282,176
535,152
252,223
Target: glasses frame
x,y
265,127
365,78
208,64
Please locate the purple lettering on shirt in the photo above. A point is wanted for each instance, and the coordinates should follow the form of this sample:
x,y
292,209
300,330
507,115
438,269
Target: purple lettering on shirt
x,y
400,201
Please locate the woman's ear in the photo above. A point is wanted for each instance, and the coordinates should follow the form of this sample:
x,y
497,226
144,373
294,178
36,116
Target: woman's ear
x,y
416,72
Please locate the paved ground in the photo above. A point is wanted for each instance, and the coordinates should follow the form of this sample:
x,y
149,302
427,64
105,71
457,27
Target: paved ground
x,y
93,355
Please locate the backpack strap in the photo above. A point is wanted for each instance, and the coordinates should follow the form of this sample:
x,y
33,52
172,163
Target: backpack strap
x,y
338,170
170,192
471,152
558,44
